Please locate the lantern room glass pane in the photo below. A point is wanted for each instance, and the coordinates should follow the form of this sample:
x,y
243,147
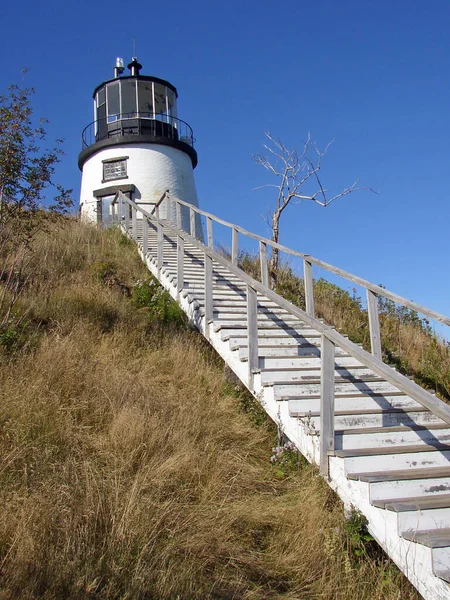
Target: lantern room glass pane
x,y
160,99
171,102
112,92
101,98
145,98
128,93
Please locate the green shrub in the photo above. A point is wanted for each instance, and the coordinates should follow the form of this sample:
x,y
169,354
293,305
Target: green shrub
x,y
149,294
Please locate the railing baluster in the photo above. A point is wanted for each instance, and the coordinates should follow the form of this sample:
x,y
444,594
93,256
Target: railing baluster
x,y
209,229
160,249
263,262
144,235
192,222
234,246
120,211
252,333
208,293
326,404
178,209
134,222
374,324
309,288
180,264
127,217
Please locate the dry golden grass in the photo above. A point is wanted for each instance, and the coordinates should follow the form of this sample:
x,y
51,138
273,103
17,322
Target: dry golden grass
x,y
129,470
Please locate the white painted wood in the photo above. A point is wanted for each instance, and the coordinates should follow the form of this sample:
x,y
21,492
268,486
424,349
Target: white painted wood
x,y
178,214
263,264
355,404
309,287
326,404
374,324
408,488
234,246
192,229
133,222
160,247
208,293
419,520
302,390
252,331
180,263
145,236
209,229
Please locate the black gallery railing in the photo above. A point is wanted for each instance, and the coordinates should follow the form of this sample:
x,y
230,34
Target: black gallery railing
x,y
158,126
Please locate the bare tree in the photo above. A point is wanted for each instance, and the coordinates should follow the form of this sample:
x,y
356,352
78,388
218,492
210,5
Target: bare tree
x,y
298,174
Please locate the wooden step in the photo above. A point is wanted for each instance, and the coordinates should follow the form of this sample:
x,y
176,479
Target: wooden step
x,y
291,391
430,538
409,488
355,405
436,519
396,462
401,474
385,450
409,504
368,439
306,374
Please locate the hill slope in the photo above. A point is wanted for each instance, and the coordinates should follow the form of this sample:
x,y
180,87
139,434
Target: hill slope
x,y
133,467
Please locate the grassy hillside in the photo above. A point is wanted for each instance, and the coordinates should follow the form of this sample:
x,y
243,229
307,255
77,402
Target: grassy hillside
x,y
132,467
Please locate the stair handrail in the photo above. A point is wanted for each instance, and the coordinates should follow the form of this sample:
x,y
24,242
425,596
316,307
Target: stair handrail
x,y
376,289
330,337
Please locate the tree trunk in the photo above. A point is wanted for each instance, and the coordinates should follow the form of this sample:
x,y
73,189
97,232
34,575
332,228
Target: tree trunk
x,y
275,259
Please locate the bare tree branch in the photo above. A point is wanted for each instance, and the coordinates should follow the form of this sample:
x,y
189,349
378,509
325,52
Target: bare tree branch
x,y
296,172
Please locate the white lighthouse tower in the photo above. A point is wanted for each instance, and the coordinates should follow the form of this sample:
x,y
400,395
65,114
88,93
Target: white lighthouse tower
x,y
136,144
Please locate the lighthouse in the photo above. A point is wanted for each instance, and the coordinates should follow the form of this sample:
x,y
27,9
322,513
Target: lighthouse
x,y
136,144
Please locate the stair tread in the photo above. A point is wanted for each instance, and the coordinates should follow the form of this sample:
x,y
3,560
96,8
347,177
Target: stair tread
x,y
415,503
401,474
432,538
385,450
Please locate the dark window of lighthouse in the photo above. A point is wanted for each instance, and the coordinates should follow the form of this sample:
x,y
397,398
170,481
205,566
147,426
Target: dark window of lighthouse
x,y
114,169
112,94
145,95
128,92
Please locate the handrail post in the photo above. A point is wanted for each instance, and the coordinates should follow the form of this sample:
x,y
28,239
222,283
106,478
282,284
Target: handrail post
x,y
180,264
234,246
144,235
252,333
178,211
113,214
326,404
208,293
263,263
210,232
192,222
374,324
127,217
134,222
120,210
160,246
309,288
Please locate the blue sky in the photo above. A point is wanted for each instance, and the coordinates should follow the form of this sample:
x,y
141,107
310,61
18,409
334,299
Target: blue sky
x,y
374,76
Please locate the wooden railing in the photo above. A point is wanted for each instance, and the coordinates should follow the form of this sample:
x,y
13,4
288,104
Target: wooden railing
x,y
330,337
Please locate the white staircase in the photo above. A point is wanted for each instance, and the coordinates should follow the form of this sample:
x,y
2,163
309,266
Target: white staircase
x,y
389,450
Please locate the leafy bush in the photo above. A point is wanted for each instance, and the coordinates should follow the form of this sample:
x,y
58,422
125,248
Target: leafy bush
x,y
149,294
